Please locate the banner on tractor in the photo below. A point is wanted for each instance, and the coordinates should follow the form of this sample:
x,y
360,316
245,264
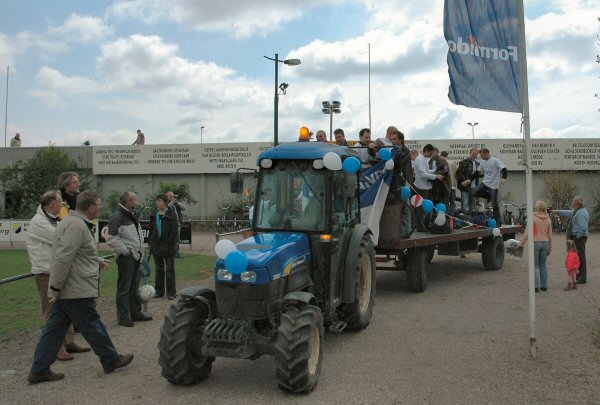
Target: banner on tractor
x,y
375,184
483,56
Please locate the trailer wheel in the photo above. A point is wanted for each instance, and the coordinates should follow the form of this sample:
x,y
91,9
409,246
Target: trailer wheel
x,y
418,261
180,344
430,254
357,315
299,349
492,253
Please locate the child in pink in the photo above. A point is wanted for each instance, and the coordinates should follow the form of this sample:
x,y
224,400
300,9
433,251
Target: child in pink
x,y
572,264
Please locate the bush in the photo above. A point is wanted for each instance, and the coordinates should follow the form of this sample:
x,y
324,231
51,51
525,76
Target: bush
x,y
560,188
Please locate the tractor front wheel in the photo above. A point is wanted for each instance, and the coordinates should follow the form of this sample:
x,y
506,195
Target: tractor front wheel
x,y
299,349
180,345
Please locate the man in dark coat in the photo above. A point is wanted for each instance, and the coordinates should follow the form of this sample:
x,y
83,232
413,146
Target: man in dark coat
x,y
466,169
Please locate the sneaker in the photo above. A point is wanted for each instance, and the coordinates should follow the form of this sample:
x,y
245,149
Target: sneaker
x,y
141,318
537,290
127,323
171,297
543,289
121,362
49,376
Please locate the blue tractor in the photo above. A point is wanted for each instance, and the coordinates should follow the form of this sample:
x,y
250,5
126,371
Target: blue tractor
x,y
310,266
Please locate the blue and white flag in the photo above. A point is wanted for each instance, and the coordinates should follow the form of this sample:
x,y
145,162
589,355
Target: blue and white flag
x,y
375,184
483,57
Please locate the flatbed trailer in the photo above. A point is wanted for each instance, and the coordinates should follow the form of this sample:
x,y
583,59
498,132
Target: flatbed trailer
x,y
414,254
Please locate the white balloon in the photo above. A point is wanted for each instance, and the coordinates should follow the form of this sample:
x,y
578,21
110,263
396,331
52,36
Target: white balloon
x,y
224,247
389,164
496,232
440,219
332,161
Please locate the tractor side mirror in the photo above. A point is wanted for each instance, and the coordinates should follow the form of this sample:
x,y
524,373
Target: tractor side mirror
x,y
236,182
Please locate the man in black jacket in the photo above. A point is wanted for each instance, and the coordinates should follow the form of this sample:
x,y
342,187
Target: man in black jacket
x,y
126,239
402,177
466,169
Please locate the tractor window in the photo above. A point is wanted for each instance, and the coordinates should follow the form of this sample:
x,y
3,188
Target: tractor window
x,y
345,203
292,196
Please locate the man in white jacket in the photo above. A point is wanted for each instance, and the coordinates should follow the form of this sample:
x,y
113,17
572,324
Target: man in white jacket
x,y
39,246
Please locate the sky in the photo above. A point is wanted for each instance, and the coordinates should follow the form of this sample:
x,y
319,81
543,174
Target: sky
x,y
100,70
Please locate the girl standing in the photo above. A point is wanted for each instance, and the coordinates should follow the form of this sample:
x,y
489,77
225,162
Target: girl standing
x,y
572,264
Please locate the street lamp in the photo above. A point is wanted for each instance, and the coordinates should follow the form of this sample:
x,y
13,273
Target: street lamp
x,y
291,62
333,107
473,125
201,128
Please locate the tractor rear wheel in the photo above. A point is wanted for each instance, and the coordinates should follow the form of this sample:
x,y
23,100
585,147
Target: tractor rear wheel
x,y
299,349
358,314
180,343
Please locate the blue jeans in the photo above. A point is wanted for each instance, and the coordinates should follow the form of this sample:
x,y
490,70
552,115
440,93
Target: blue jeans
x,y
481,191
541,270
82,312
128,283
467,202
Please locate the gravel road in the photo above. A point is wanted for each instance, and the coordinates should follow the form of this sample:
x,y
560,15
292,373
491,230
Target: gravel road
x,y
463,341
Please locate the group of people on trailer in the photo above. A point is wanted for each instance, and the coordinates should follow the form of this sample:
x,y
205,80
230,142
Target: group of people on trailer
x,y
430,174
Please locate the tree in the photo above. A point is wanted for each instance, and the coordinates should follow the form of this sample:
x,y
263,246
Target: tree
x,y
560,188
24,183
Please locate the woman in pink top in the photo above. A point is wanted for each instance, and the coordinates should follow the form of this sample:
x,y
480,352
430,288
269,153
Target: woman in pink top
x,y
542,232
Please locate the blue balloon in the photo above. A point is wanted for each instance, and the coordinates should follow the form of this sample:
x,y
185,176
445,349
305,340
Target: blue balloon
x,y
427,205
441,207
351,165
236,262
385,154
491,223
405,193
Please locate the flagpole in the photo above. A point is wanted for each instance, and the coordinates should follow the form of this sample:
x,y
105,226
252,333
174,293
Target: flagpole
x,y
528,176
6,106
369,86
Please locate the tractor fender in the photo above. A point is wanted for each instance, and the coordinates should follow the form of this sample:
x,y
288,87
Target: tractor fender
x,y
353,246
202,294
197,291
301,296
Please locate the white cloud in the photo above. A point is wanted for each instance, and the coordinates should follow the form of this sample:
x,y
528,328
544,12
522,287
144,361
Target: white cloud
x,y
241,19
53,80
49,98
82,29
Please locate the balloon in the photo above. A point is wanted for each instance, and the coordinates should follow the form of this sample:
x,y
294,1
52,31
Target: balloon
x,y
441,207
427,205
351,165
440,219
416,200
491,223
496,232
236,262
385,154
405,193
332,161
389,165
224,247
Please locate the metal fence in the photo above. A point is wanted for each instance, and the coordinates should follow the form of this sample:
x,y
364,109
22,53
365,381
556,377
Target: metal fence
x,y
220,225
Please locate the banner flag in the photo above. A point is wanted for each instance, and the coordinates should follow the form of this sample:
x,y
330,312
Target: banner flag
x,y
483,54
375,183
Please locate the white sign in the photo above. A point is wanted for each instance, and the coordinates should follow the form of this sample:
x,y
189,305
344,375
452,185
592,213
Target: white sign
x,y
14,231
176,159
545,154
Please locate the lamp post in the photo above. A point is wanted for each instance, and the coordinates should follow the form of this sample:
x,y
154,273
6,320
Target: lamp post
x,y
333,107
291,62
201,128
473,125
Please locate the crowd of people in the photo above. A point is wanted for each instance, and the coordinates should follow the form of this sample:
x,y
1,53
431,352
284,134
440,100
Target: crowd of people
x,y
62,247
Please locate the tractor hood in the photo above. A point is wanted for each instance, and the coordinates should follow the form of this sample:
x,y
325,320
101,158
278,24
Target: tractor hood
x,y
279,253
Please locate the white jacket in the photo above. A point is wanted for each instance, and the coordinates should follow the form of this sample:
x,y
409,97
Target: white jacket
x,y
40,236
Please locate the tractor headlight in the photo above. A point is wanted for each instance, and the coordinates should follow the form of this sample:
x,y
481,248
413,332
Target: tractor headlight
x,y
224,274
248,277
